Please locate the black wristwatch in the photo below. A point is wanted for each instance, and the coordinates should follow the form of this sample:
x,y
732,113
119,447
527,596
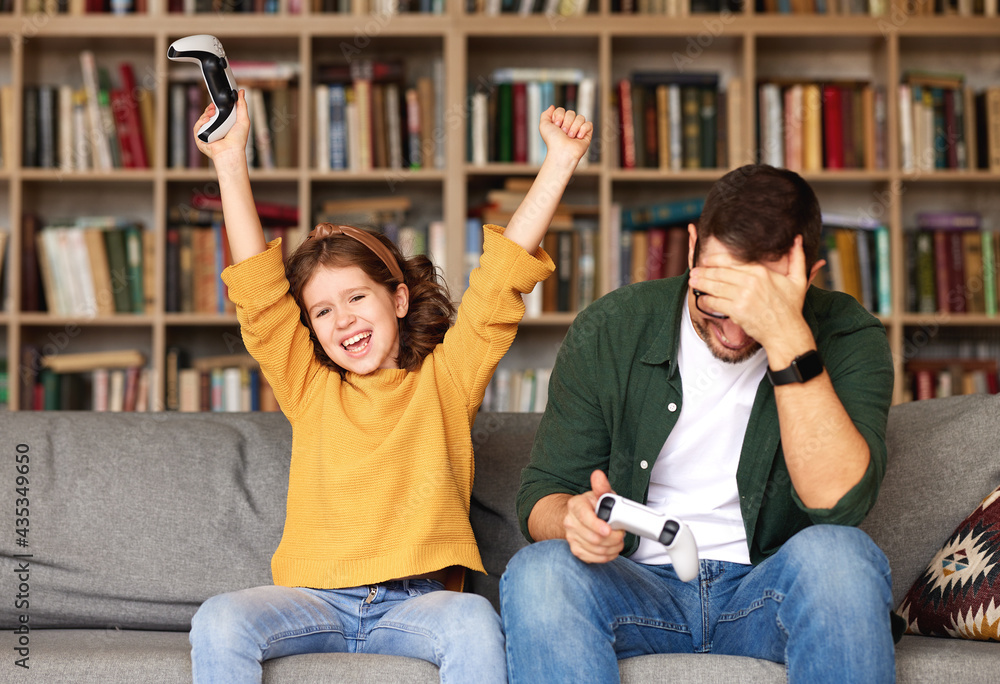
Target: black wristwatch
x,y
804,368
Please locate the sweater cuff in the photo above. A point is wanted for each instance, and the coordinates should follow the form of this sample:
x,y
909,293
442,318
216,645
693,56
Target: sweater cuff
x,y
257,279
528,269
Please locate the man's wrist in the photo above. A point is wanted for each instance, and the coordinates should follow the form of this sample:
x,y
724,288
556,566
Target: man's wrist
x,y
788,346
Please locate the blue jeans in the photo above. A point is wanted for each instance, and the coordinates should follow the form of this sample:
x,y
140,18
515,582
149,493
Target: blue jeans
x,y
820,605
233,633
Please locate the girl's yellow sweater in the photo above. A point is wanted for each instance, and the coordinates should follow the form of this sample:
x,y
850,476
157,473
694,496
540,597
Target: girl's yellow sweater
x,y
382,465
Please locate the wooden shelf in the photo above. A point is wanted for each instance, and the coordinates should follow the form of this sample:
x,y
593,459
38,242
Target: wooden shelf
x,y
606,45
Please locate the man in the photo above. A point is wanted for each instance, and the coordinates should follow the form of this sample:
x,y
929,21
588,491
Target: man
x,y
746,403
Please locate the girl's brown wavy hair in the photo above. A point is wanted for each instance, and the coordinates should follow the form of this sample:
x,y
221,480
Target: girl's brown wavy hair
x,y
431,311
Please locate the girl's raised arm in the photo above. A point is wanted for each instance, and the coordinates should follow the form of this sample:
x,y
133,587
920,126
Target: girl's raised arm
x,y
246,237
567,136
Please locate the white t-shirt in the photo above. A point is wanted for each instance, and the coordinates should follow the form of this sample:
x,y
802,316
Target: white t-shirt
x,y
694,477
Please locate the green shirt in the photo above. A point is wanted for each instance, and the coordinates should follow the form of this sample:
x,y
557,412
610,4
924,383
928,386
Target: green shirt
x,y
615,394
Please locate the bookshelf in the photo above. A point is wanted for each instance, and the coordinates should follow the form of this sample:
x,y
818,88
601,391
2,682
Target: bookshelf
x,y
467,43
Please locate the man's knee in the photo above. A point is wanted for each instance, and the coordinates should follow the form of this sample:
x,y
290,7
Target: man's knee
x,y
539,569
837,544
842,561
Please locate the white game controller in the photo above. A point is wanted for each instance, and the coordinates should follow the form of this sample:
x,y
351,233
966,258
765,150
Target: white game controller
x,y
207,51
623,514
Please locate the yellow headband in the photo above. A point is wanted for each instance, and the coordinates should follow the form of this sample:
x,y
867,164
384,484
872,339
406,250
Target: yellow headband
x,y
323,230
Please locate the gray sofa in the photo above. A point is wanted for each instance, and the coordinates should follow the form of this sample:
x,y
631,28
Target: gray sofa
x,y
135,519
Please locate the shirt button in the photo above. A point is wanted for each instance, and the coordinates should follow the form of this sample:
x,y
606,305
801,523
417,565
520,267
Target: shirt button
x,y
671,407
643,465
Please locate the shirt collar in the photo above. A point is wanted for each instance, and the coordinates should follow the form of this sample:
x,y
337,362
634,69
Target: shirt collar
x,y
664,346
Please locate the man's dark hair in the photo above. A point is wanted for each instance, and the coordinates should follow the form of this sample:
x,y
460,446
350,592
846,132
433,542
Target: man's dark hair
x,y
757,210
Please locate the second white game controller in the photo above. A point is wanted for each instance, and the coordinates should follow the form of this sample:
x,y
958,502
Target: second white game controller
x,y
624,514
207,51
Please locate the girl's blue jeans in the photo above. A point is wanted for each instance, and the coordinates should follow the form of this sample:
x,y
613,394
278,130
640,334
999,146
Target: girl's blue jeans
x,y
233,633
820,605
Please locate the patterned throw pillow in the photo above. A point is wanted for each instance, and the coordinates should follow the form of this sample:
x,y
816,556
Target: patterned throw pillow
x,y
958,595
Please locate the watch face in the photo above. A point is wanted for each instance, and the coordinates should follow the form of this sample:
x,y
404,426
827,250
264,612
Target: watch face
x,y
808,366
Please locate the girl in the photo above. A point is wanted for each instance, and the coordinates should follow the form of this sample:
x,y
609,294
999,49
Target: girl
x,y
381,399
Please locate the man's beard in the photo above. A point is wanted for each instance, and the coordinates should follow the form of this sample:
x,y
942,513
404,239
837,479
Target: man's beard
x,y
724,354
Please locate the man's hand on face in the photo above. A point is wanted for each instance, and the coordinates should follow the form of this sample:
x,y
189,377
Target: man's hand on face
x,y
591,539
764,299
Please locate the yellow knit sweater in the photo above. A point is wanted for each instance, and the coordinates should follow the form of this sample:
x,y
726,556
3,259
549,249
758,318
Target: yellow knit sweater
x,y
382,466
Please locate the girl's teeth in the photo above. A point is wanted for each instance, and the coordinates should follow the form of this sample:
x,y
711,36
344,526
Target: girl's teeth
x,y
357,343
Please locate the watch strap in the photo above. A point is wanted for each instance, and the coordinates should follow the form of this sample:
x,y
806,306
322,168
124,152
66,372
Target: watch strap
x,y
803,368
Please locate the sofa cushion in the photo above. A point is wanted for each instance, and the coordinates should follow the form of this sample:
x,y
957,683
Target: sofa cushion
x,y
136,519
502,444
926,660
129,656
701,667
942,463
958,595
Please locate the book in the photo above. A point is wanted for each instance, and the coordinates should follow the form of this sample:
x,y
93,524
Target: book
x,y
671,212
4,274
97,133
626,125
88,361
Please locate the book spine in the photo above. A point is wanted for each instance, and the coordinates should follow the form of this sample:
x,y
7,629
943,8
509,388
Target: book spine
x,y
989,273
131,118
626,125
833,127
883,270
519,98
691,121
97,132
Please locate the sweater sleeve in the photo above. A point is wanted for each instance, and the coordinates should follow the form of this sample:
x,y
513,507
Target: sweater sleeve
x,y
489,313
271,326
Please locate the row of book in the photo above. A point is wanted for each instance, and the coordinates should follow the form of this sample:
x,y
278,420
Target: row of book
x,y
388,215
881,8
822,125
78,7
518,391
376,7
503,126
856,251
675,8
369,115
231,382
88,267
676,120
652,239
929,379
197,251
272,102
653,243
114,380
120,380
102,125
571,241
951,264
231,6
945,124
550,8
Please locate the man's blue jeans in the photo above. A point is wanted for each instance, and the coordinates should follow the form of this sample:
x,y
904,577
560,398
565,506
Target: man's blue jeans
x,y
820,605
231,634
